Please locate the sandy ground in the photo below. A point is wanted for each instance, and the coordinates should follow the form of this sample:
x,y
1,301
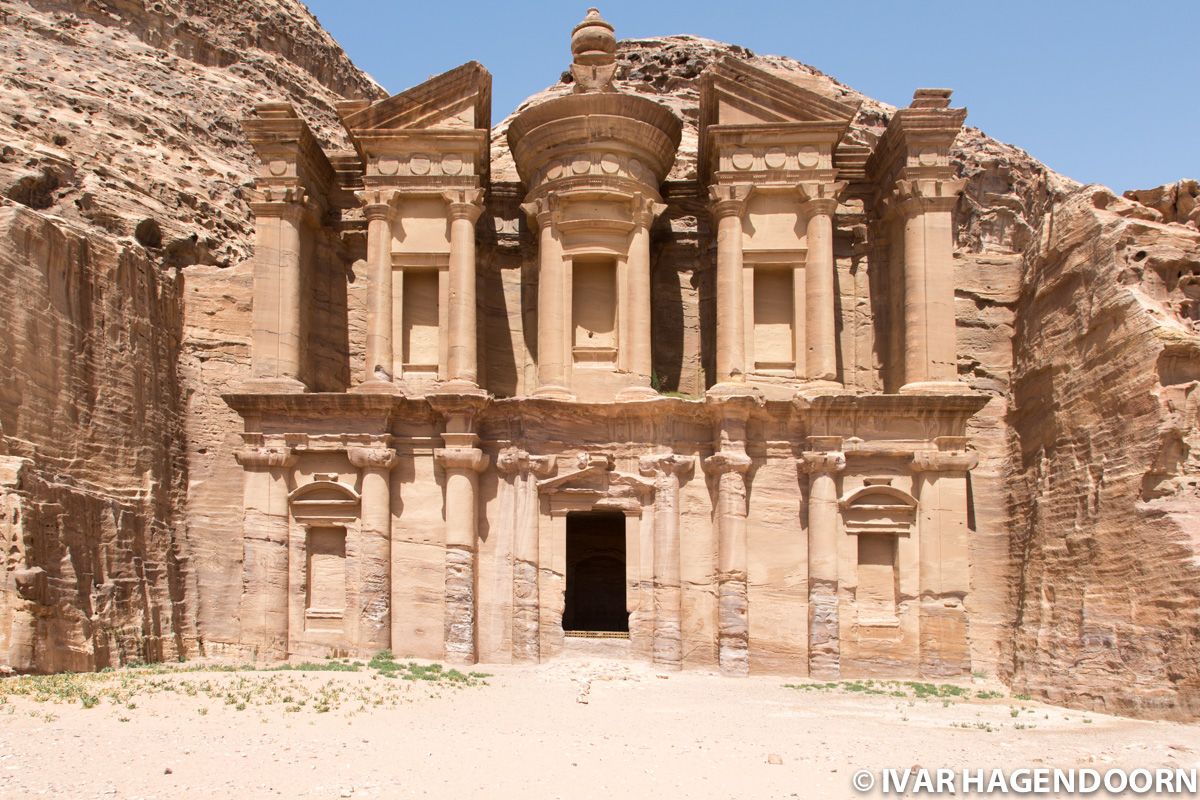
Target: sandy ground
x,y
526,733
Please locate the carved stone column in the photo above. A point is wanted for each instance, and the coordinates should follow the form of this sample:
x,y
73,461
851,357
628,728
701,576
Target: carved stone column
x,y
728,203
263,609
944,580
522,470
277,335
819,202
378,208
465,206
375,557
728,466
667,469
640,344
822,465
551,336
461,460
930,347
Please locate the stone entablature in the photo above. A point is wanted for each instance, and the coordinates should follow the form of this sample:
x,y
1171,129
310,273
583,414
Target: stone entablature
x,y
784,523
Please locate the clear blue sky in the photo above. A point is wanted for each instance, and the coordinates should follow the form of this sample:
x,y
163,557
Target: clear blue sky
x,y
1105,92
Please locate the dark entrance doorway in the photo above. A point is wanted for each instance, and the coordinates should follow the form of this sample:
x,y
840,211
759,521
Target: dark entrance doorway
x,y
596,572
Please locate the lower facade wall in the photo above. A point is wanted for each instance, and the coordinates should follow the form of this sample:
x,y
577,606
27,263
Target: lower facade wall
x,y
898,545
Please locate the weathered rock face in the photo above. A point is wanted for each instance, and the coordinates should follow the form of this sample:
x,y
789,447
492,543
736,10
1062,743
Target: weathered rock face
x,y
121,157
121,499
1105,492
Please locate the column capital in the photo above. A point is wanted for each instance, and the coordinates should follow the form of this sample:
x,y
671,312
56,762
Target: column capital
x,y
663,464
927,194
819,197
818,461
728,199
378,203
464,203
464,458
724,461
373,457
252,457
944,460
543,211
514,460
646,209
281,200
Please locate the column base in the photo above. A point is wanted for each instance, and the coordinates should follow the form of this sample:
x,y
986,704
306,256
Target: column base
x,y
458,386
733,389
553,392
377,386
935,387
637,393
821,388
272,386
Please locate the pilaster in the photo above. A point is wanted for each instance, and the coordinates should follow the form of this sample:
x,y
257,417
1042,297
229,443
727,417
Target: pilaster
x,y
667,469
823,462
375,530
522,471
728,204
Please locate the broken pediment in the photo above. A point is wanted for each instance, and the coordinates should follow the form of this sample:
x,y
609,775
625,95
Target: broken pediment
x,y
460,98
735,93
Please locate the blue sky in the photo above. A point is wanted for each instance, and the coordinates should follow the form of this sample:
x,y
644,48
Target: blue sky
x,y
1105,92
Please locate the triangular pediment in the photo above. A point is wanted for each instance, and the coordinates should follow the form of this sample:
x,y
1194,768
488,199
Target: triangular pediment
x,y
458,99
733,92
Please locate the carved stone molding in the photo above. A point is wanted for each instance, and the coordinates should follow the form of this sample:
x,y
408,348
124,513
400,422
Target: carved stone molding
x,y
927,194
378,203
646,209
818,197
544,210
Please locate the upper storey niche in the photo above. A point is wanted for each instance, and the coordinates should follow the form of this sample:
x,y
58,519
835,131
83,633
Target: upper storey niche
x,y
767,150
592,162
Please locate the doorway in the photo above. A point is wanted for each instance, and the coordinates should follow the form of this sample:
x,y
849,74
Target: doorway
x,y
595,593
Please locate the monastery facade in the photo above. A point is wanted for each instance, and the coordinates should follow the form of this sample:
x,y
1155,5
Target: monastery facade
x,y
458,501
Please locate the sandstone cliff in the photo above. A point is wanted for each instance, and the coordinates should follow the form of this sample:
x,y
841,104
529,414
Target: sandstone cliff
x,y
122,160
125,232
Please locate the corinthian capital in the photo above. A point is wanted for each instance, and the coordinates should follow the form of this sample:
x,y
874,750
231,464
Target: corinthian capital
x,y
373,457
378,203
823,461
646,209
514,460
543,210
944,460
264,457
728,200
731,460
928,194
818,197
464,203
662,464
464,458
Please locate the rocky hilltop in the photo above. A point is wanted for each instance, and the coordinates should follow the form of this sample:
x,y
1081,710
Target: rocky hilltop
x,y
125,231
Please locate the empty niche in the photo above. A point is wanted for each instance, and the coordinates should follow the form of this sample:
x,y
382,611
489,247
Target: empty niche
x,y
594,309
876,577
878,515
421,317
326,572
774,336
